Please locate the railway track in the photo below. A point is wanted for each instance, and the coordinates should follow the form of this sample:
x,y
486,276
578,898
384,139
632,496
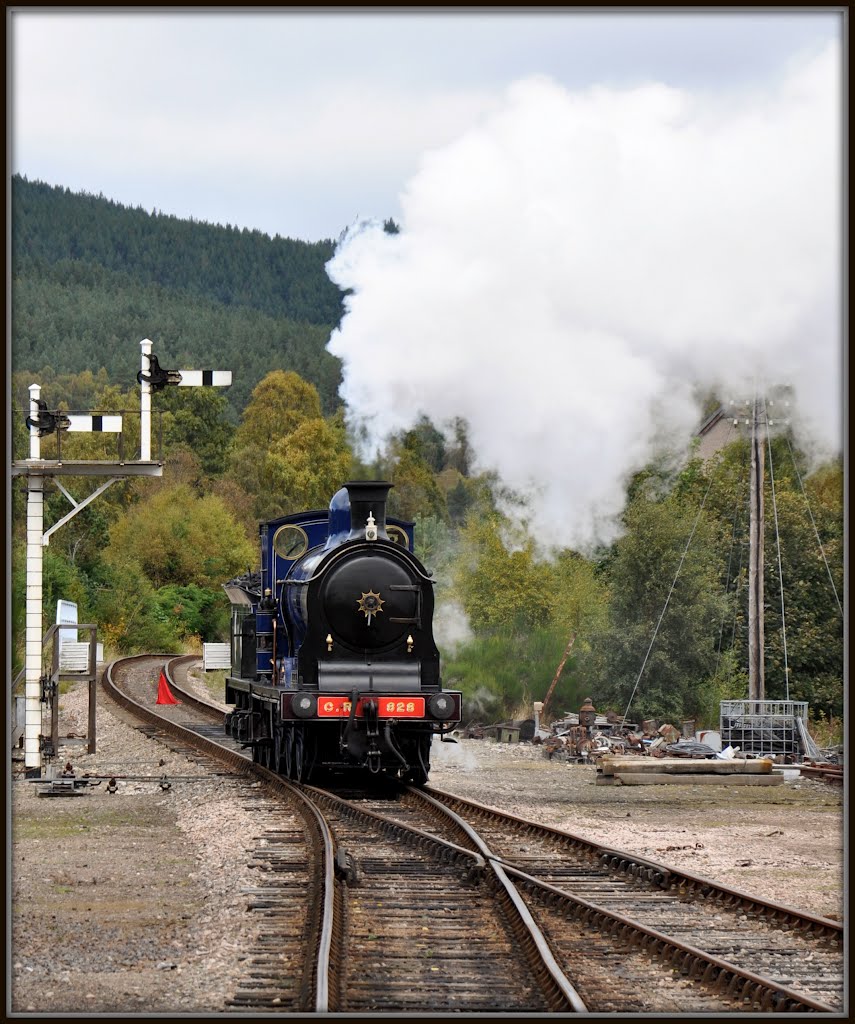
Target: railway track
x,y
406,900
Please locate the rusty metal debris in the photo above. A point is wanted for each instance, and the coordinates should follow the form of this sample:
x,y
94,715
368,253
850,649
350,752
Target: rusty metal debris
x,y
586,737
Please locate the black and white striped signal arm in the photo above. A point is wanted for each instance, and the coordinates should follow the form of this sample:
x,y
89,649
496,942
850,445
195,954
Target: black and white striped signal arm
x,y
95,424
205,378
47,422
157,378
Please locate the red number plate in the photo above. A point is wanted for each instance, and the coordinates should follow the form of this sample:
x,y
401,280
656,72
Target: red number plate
x,y
387,707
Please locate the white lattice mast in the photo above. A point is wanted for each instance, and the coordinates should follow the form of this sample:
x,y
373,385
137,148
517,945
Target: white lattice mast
x,y
34,631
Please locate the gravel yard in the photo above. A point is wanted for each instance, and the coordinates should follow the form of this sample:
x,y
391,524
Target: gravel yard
x,y
131,902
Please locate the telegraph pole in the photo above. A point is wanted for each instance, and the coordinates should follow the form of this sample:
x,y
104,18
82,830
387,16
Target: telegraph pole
x,y
756,635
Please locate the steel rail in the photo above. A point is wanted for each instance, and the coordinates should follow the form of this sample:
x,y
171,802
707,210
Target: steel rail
x,y
232,758
563,994
706,967
328,919
203,706
829,773
654,872
443,849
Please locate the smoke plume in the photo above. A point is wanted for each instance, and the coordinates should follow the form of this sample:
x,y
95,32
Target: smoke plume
x,y
575,267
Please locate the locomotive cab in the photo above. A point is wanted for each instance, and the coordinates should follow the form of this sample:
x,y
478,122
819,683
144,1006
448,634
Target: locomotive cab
x,y
334,664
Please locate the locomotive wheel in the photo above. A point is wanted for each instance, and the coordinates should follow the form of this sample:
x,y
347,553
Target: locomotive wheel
x,y
276,766
288,752
299,755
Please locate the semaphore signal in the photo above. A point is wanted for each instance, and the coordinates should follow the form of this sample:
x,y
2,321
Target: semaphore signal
x,y
43,422
153,378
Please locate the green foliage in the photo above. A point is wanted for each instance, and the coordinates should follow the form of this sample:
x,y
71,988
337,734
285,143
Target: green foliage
x,y
435,546
195,420
279,404
285,455
814,622
19,609
194,611
427,442
91,278
62,580
523,611
305,469
501,671
60,326
125,607
499,587
416,490
279,276
177,537
641,576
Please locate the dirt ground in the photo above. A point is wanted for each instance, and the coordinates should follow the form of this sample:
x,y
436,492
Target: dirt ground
x,y
132,902
783,842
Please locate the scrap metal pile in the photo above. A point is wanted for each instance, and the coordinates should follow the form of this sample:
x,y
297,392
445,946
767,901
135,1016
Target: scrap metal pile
x,y
632,754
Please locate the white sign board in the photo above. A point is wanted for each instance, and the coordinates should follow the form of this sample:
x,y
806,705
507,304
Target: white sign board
x,y
74,657
66,612
216,656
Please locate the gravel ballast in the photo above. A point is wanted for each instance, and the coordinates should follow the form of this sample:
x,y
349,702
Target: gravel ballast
x,y
132,902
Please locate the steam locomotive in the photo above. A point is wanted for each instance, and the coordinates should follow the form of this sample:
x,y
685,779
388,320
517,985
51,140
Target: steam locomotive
x,y
334,664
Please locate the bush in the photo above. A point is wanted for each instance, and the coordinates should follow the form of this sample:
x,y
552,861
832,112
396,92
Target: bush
x,y
194,612
502,672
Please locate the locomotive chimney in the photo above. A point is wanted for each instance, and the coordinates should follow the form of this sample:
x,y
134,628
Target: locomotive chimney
x,y
367,498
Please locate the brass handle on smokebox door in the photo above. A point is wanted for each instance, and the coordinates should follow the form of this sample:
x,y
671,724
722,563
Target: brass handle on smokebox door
x,y
416,620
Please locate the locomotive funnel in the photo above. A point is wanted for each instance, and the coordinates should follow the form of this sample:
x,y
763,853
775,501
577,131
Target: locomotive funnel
x,y
368,498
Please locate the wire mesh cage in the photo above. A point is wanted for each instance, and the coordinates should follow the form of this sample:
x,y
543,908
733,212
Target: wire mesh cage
x,y
764,727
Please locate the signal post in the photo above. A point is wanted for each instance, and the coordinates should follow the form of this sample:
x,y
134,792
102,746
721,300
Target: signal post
x,y
36,470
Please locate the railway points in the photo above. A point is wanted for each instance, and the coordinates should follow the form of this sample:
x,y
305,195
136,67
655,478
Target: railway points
x,y
281,843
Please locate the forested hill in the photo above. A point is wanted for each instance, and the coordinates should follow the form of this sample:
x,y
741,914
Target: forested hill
x,y
91,278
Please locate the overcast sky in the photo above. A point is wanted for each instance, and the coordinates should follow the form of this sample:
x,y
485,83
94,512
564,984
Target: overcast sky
x,y
298,124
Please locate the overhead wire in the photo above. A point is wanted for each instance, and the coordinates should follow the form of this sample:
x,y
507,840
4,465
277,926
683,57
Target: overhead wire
x,y
668,598
815,528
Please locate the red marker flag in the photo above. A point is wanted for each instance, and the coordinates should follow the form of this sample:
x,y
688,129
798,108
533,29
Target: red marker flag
x,y
164,694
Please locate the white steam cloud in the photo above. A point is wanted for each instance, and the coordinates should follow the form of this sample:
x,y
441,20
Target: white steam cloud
x,y
570,269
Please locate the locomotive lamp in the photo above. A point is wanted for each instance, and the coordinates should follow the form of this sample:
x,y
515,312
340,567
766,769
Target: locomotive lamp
x,y
441,706
304,705
410,643
371,527
329,642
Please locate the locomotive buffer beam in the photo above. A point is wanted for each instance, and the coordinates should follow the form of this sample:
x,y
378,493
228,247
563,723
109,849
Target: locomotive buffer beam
x,y
370,743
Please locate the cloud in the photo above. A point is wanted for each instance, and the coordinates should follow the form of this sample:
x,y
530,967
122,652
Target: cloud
x,y
575,263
